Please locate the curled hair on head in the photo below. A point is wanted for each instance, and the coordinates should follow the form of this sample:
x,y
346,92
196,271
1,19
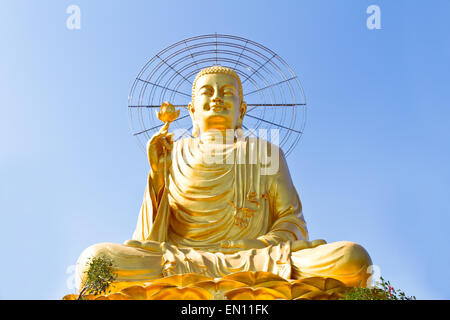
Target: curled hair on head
x,y
219,69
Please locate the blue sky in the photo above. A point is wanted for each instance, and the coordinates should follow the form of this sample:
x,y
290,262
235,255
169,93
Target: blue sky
x,y
372,166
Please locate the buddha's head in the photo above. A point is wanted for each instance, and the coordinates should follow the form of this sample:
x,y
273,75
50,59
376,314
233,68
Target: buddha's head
x,y
217,100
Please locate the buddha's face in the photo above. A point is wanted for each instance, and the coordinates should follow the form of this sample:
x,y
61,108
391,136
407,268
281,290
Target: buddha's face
x,y
216,104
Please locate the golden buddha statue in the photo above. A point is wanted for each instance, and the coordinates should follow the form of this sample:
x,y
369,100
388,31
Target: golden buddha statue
x,y
213,207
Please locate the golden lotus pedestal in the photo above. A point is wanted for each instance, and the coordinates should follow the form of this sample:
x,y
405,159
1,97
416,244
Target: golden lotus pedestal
x,y
237,286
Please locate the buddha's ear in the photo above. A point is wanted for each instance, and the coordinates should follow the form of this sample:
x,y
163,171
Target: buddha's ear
x,y
243,109
191,109
195,127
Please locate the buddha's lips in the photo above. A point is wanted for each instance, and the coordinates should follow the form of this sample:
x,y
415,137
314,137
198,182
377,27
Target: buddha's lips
x,y
218,107
217,118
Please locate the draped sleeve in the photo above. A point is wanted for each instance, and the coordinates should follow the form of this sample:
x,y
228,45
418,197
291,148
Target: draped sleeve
x,y
153,220
288,223
147,213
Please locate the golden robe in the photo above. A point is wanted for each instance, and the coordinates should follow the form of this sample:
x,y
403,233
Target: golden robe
x,y
214,193
206,203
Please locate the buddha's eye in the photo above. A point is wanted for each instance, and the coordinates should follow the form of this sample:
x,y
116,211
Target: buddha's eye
x,y
206,91
228,93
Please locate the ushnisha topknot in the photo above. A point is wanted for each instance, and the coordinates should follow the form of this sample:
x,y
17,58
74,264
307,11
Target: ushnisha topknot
x,y
219,69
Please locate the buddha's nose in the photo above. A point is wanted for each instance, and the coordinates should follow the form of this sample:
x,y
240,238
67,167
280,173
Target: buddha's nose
x,y
217,100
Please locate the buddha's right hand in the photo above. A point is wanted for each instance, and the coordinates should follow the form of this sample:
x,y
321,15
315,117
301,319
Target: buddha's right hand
x,y
148,245
304,244
159,147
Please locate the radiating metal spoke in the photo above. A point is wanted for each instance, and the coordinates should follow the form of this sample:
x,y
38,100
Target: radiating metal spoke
x,y
252,132
190,53
146,130
240,55
173,69
162,87
261,66
275,124
275,84
216,47
160,125
157,106
275,104
255,106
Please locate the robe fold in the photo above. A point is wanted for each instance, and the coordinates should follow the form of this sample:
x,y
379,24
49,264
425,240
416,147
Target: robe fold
x,y
205,203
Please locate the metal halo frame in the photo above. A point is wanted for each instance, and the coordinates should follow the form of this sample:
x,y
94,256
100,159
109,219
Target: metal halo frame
x,y
274,95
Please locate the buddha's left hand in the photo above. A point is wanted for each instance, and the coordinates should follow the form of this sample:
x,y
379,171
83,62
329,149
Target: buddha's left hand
x,y
146,245
244,244
304,244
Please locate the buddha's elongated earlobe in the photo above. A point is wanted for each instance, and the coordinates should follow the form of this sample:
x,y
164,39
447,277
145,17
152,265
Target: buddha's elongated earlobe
x,y
195,127
243,109
239,131
195,131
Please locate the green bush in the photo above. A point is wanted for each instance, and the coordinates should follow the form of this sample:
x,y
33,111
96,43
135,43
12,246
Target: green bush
x,y
382,291
100,275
